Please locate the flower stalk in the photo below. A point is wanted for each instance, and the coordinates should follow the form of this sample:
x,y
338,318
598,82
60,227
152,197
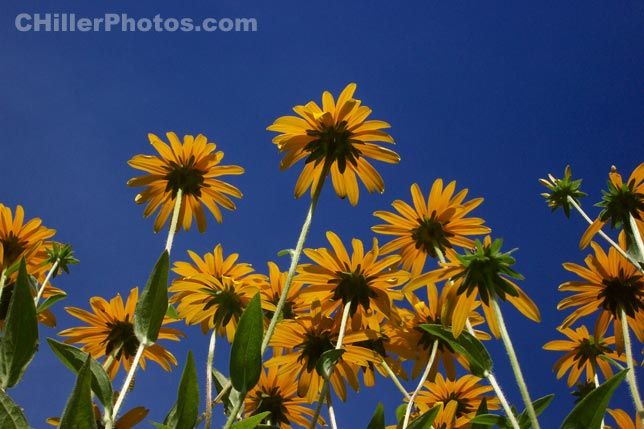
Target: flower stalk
x,y
630,363
211,355
514,362
173,223
412,398
504,402
128,380
636,235
395,379
41,290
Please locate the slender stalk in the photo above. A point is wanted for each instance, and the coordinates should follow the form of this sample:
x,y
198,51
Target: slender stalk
x,y
630,375
412,398
604,235
175,219
329,403
395,379
295,259
325,386
51,272
514,362
108,361
128,380
596,381
234,413
637,236
3,280
504,402
211,355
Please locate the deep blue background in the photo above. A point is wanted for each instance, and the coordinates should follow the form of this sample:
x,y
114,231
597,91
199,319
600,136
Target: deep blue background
x,y
492,94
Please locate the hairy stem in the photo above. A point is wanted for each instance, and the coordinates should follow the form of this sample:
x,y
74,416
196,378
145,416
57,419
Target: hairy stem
x,y
211,355
596,381
329,403
234,413
175,219
412,398
51,272
514,362
638,238
128,380
504,402
630,375
394,378
604,235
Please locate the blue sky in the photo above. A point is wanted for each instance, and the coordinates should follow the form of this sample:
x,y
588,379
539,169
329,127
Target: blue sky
x,y
491,94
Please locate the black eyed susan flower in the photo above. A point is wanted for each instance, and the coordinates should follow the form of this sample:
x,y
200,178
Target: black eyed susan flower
x,y
365,280
127,421
609,284
459,398
214,290
440,222
192,166
110,332
413,343
621,201
334,139
272,289
560,190
484,272
21,239
624,421
584,353
278,395
304,340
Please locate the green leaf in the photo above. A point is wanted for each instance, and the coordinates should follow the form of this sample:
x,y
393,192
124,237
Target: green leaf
x,y
251,422
466,345
50,301
20,334
245,353
79,410
400,412
426,420
172,313
11,416
231,398
489,420
285,252
160,425
153,303
186,410
539,407
588,413
74,359
378,419
327,360
482,409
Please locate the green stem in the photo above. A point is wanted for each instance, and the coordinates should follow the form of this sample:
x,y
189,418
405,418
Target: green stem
x,y
329,403
51,272
128,380
630,364
504,402
234,413
3,280
173,222
596,382
211,355
295,259
637,237
514,362
412,398
325,386
604,235
395,379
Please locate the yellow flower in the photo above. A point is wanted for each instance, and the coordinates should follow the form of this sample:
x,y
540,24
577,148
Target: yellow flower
x,y
214,290
366,281
335,139
441,223
22,239
584,352
479,274
192,167
127,421
271,291
623,420
459,398
411,342
609,284
279,396
110,332
304,340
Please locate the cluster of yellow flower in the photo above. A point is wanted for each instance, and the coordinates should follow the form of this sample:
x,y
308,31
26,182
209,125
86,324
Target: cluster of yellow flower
x,y
377,307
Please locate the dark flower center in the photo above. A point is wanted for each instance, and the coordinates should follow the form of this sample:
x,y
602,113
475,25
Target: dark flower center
x,y
353,287
588,349
228,304
620,202
13,247
313,346
430,234
426,340
121,339
288,312
273,402
333,143
185,177
623,293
